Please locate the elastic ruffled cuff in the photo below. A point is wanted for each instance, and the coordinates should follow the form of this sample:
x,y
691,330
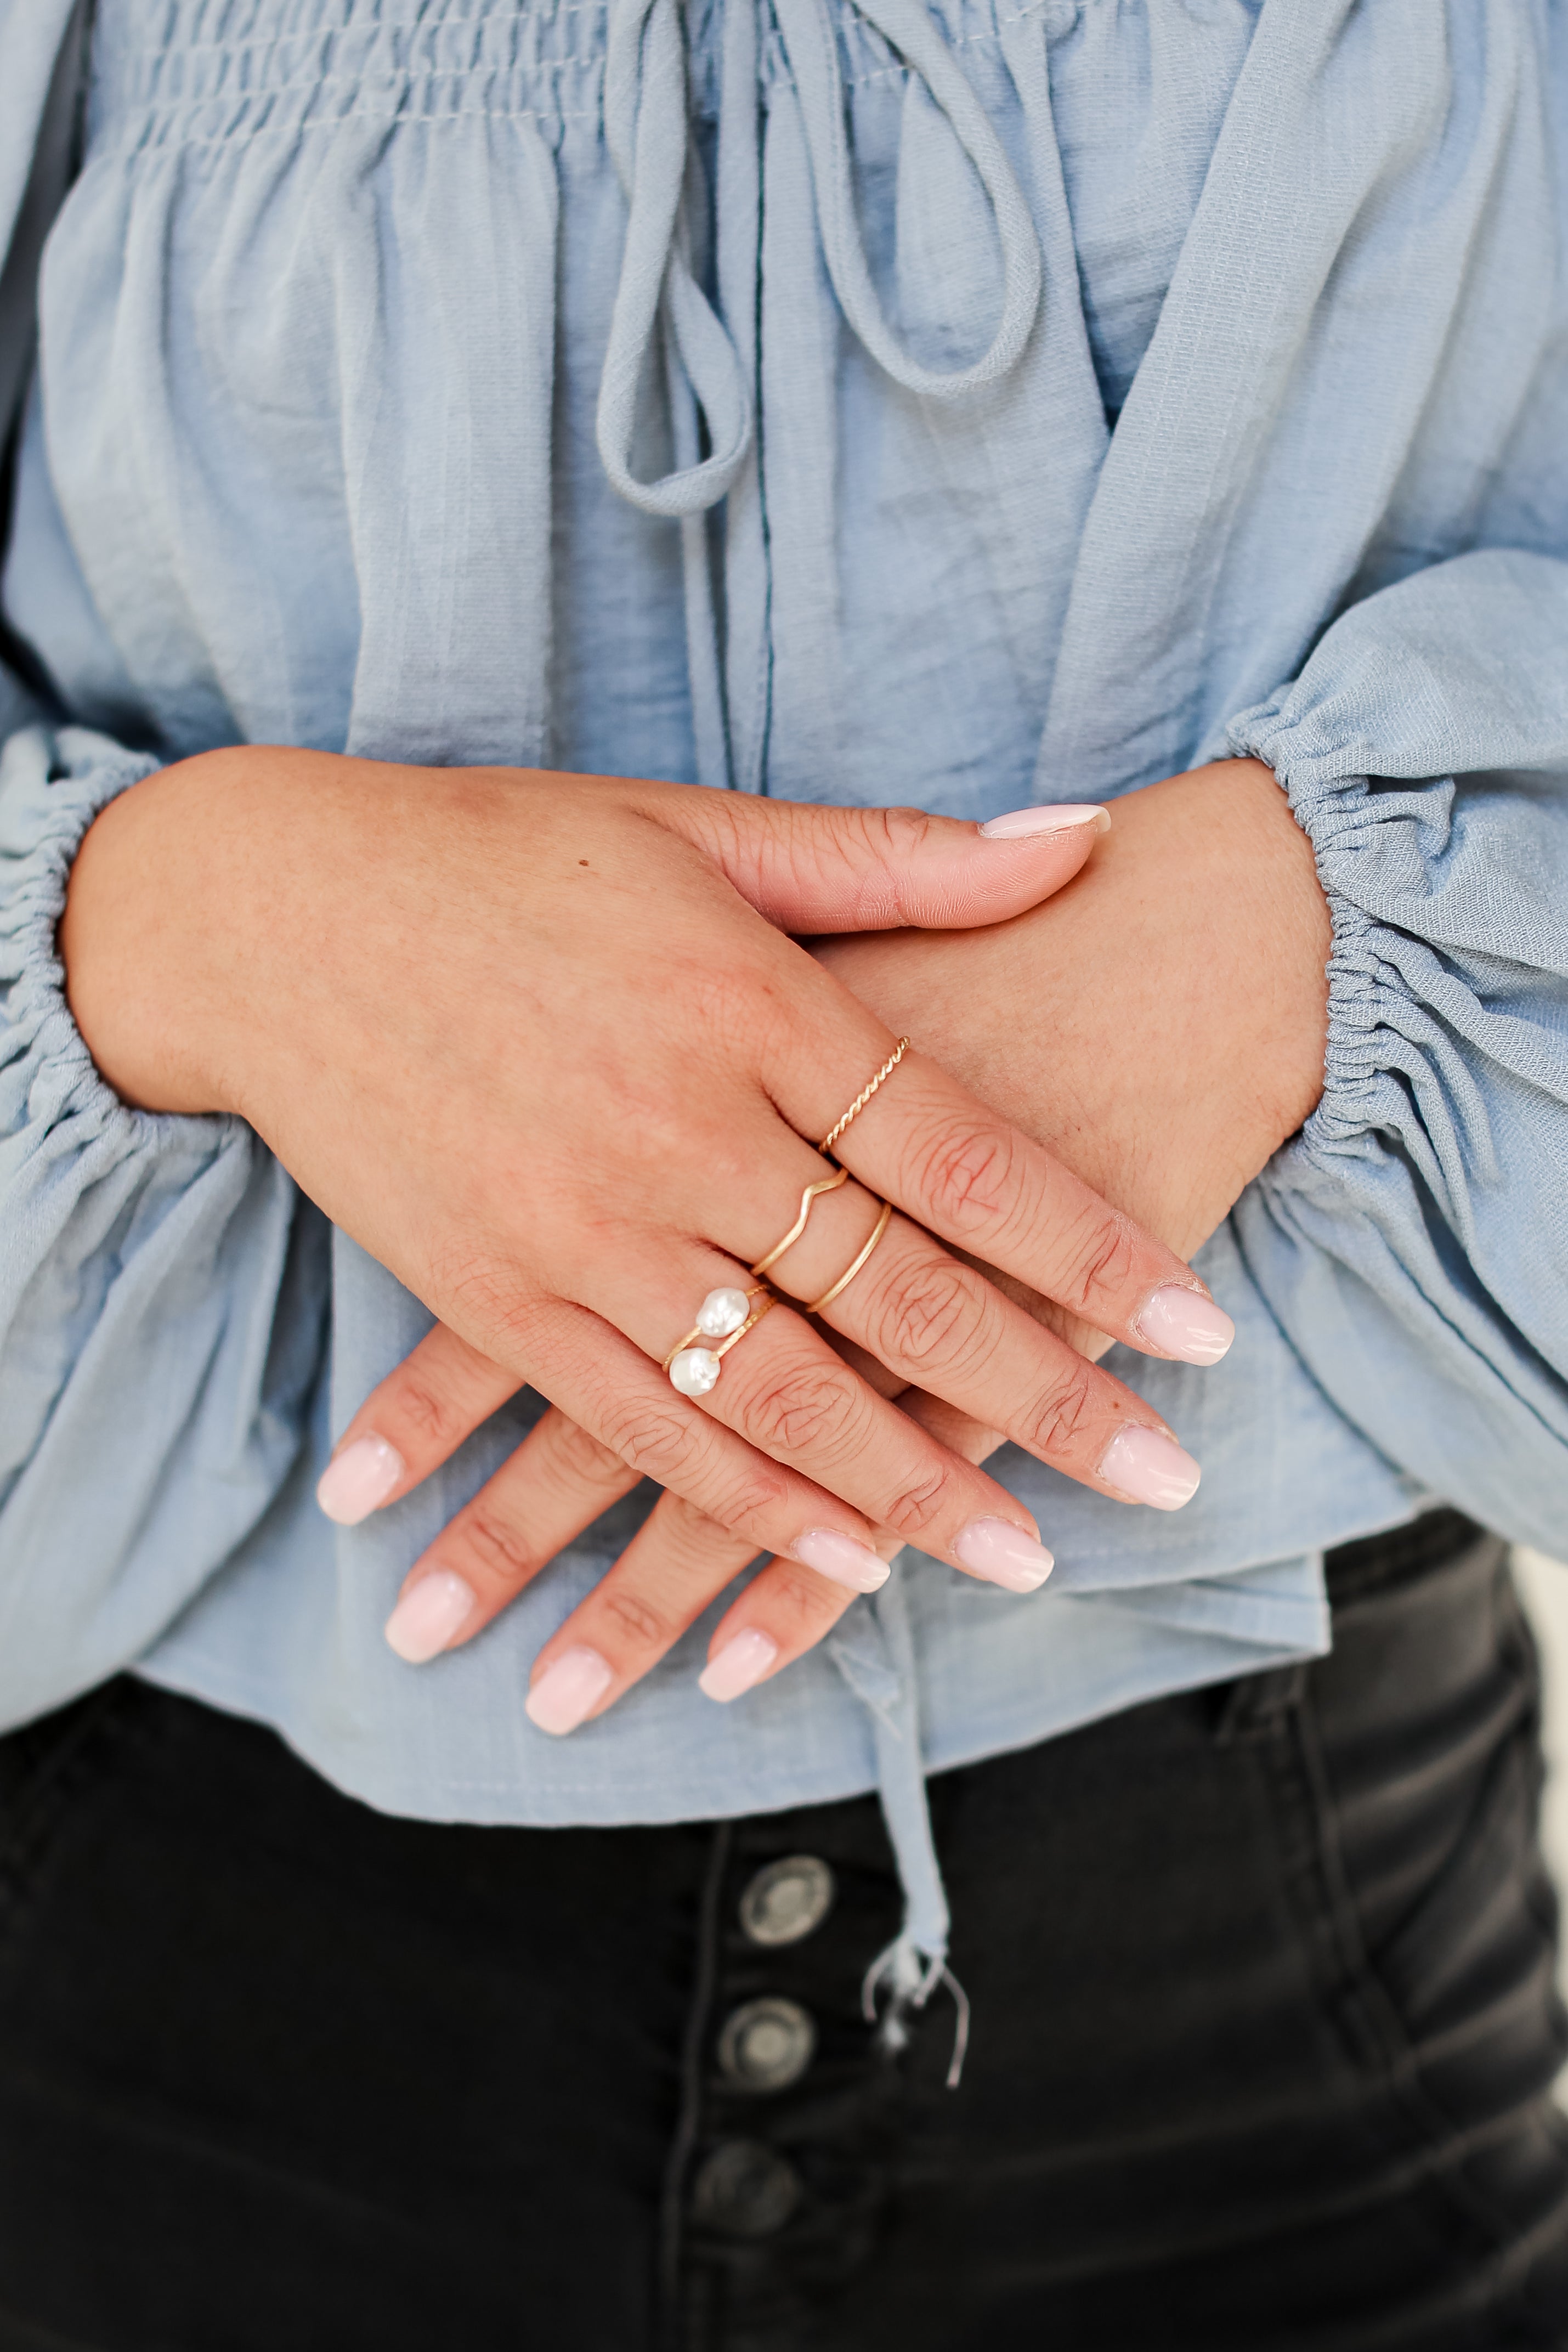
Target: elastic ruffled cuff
x,y
1453,674
1398,1012
53,784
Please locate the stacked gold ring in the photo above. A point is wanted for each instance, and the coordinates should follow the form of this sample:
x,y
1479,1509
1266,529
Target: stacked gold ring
x,y
864,1096
725,1317
808,1201
856,1264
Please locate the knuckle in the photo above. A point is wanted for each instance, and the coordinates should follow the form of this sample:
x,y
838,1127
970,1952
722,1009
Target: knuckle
x,y
694,1538
493,1296
641,1624
801,1408
1104,1266
501,1548
889,838
425,1410
926,1316
754,1498
585,1460
897,833
970,1176
734,1008
1059,1418
656,1443
913,1512
808,1603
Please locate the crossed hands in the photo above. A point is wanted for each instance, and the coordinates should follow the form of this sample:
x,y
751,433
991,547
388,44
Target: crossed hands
x,y
550,1047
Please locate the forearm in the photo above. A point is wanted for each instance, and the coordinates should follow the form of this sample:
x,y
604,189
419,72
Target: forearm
x,y
1160,1022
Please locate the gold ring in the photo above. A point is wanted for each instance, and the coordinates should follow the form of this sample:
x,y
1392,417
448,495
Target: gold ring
x,y
725,1316
827,1184
850,1271
865,1095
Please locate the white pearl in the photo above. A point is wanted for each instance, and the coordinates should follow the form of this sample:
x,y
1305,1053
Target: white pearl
x,y
695,1371
721,1312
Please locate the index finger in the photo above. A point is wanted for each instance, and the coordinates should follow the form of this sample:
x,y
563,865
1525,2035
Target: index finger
x,y
924,1142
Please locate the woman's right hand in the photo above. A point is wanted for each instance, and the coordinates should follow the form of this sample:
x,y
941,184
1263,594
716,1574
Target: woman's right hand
x,y
541,1044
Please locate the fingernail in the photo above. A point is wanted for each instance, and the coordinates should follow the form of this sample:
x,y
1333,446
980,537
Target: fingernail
x,y
429,1615
569,1688
1150,1468
1060,817
741,1663
841,1558
1185,1323
1003,1554
356,1480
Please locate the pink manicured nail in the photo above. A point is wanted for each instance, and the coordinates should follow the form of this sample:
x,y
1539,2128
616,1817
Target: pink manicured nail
x,y
1003,1554
1060,817
841,1558
1185,1323
430,1614
355,1481
741,1663
569,1688
1150,1468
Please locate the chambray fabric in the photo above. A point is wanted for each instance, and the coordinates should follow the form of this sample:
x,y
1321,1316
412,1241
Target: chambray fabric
x,y
956,404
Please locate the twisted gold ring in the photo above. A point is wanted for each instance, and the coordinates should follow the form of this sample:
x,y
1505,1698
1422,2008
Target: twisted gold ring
x,y
865,1095
725,1316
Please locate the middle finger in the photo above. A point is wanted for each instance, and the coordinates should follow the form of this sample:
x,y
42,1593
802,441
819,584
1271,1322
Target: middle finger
x,y
937,1324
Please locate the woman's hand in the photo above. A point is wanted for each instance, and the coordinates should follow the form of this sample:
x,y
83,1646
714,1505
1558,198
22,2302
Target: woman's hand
x,y
536,1043
1173,1073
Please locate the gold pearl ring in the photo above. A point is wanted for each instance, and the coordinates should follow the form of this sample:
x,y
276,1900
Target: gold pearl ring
x,y
724,1317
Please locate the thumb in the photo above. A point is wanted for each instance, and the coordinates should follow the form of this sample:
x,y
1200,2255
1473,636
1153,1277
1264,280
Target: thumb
x,y
812,870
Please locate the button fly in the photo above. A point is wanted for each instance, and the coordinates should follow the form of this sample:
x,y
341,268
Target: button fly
x,y
766,2044
787,1899
746,2189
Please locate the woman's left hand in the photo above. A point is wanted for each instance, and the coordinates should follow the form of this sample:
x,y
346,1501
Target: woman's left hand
x,y
1159,1024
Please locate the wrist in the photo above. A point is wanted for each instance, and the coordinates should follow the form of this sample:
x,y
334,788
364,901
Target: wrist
x,y
1281,935
157,920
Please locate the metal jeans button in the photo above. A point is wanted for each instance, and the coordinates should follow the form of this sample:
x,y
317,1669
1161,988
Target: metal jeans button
x,y
787,1899
766,2044
746,2189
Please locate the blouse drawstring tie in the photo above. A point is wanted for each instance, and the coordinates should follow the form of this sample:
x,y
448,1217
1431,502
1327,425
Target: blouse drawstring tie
x,y
646,119
647,128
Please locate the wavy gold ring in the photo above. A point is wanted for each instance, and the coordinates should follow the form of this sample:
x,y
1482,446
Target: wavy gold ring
x,y
725,1316
826,1184
850,1271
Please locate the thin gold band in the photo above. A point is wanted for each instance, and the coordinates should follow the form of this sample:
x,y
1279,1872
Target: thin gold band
x,y
865,1095
723,1346
828,1185
850,1271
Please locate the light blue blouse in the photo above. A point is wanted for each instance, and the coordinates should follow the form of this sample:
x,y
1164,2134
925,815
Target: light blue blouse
x,y
855,400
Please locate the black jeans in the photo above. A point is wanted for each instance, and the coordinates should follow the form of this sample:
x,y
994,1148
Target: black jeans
x,y
1263,2033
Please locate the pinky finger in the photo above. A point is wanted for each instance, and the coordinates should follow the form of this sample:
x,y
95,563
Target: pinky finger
x,y
782,1614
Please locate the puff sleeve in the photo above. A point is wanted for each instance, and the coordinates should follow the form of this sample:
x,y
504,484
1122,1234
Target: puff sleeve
x,y
1413,1240
163,1293
163,1287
